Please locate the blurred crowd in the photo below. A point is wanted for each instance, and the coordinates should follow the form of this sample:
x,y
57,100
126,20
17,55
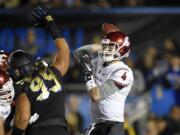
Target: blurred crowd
x,y
159,68
86,3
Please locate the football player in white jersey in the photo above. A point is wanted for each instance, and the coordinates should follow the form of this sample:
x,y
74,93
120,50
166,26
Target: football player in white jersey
x,y
108,82
6,98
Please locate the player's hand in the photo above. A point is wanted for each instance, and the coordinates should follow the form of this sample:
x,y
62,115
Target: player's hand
x,y
43,16
45,19
87,66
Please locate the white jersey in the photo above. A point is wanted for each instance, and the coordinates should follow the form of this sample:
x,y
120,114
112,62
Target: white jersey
x,y
5,111
112,107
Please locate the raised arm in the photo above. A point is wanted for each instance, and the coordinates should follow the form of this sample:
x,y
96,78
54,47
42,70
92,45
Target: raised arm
x,y
62,57
91,50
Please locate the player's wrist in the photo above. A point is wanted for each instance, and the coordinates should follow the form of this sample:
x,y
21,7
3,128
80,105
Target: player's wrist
x,y
90,83
54,30
49,18
17,131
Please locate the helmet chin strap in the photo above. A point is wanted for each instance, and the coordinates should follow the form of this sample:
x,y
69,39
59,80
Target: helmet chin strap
x,y
106,59
110,61
118,58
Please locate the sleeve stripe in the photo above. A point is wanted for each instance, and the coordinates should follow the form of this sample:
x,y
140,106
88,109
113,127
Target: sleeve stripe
x,y
120,85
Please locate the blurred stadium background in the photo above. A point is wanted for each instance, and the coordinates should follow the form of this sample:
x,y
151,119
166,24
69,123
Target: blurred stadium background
x,y
153,106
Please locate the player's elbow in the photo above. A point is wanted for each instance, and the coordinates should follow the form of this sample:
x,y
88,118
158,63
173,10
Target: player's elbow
x,y
62,62
62,59
64,67
23,118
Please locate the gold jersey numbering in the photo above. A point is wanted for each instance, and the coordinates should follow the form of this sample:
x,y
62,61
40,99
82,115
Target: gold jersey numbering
x,y
38,84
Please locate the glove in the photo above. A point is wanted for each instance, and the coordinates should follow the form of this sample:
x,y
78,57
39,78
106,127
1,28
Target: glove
x,y
42,15
88,72
45,19
87,66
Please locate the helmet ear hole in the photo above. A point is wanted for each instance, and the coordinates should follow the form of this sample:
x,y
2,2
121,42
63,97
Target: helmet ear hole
x,y
124,50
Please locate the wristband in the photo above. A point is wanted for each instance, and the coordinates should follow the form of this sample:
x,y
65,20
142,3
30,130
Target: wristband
x,y
90,84
54,31
49,18
17,131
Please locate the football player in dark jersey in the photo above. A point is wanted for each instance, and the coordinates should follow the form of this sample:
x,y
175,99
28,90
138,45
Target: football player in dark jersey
x,y
40,101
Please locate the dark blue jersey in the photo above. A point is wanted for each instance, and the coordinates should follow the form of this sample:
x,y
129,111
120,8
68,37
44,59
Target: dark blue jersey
x,y
46,94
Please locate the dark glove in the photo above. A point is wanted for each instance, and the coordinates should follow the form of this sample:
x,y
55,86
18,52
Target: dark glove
x,y
45,19
87,66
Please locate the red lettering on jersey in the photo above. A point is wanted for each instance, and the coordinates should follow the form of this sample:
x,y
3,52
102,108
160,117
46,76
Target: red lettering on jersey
x,y
124,76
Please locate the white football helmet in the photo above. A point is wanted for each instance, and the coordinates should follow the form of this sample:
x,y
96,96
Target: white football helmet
x,y
115,46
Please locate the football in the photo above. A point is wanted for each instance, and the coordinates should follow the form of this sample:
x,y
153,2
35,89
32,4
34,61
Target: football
x,y
108,27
